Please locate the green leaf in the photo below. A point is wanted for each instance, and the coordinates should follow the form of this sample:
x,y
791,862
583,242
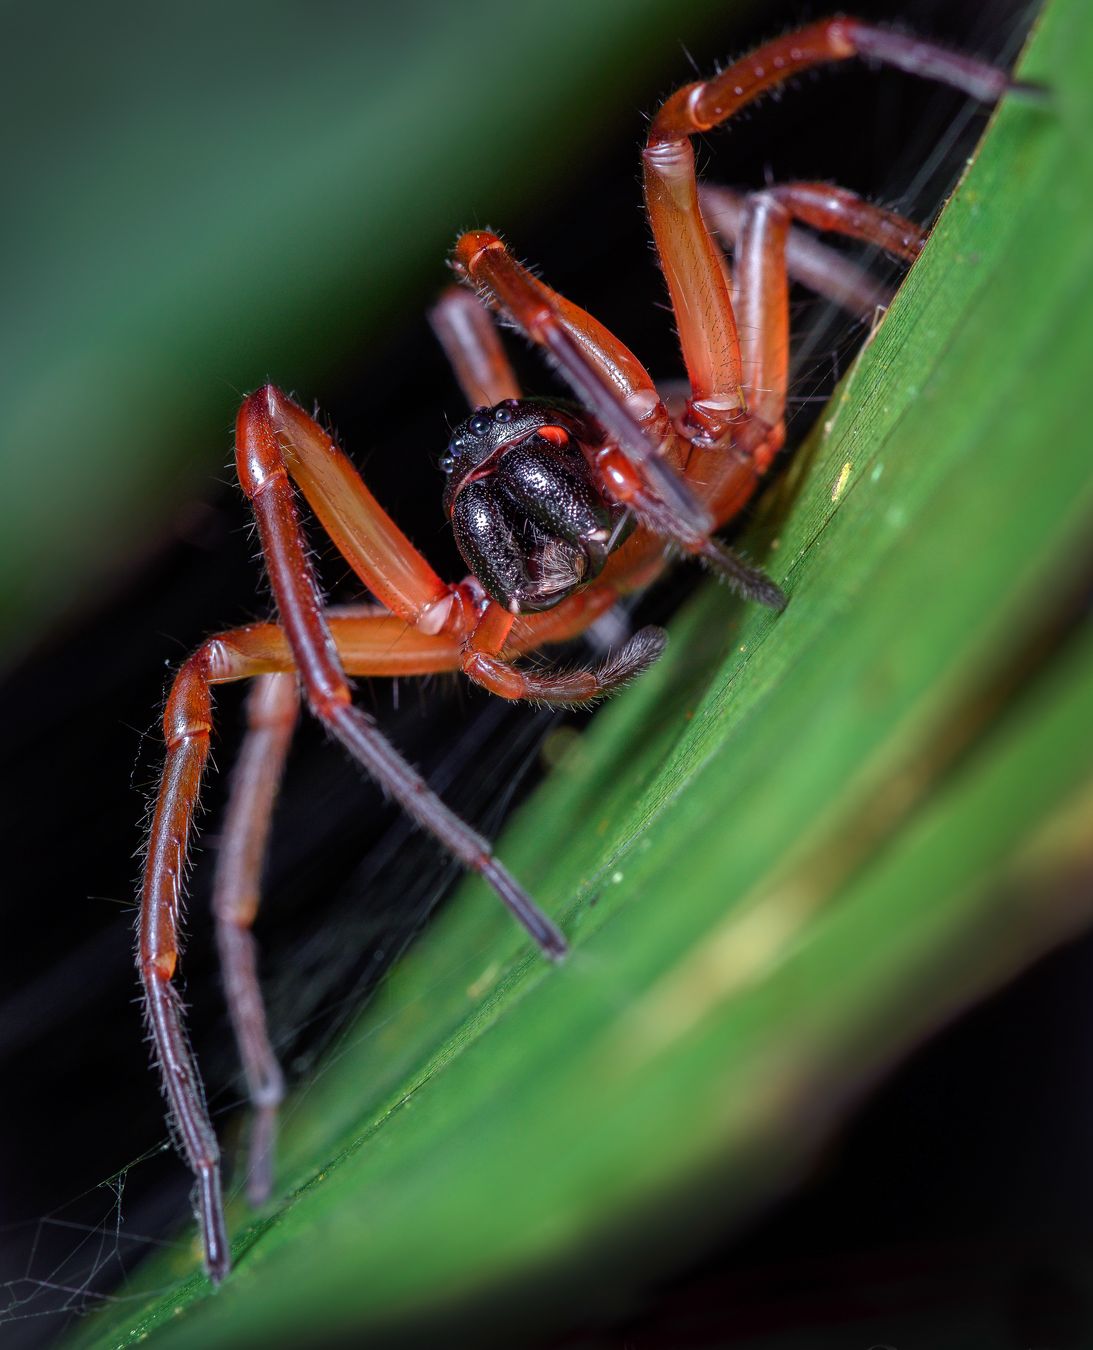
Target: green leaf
x,y
789,852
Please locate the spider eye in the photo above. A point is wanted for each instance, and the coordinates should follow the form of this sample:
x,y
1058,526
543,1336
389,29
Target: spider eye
x,y
446,463
502,414
479,424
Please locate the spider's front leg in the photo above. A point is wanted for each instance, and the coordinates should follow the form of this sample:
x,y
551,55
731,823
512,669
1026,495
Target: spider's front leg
x,y
370,641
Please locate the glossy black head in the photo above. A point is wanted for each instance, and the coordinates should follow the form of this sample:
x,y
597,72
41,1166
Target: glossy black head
x,y
529,518
478,441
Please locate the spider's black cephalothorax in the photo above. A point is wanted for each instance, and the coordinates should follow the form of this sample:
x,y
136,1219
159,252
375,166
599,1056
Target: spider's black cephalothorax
x,y
529,518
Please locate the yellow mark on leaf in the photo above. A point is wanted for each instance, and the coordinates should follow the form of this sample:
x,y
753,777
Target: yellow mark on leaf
x,y
842,480
485,982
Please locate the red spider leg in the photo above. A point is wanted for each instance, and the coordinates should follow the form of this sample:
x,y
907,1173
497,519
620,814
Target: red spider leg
x,y
809,262
263,474
626,485
691,262
605,375
386,561
363,533
761,287
762,280
483,664
271,716
271,710
632,567
187,724
473,347
369,643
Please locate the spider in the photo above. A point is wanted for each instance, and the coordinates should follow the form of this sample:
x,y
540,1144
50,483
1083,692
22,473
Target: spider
x,y
559,509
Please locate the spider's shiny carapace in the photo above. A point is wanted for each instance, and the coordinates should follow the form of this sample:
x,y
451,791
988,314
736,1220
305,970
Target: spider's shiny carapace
x,y
529,517
558,510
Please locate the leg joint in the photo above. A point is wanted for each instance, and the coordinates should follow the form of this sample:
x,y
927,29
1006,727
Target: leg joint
x,y
258,456
188,715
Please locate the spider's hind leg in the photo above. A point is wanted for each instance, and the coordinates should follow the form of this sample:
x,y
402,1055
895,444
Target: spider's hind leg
x,y
808,261
768,252
272,709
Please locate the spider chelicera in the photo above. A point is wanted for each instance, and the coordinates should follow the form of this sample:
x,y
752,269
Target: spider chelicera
x,y
558,510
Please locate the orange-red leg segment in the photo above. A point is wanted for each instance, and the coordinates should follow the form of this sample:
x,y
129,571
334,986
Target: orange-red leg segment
x,y
762,278
265,481
369,643
808,261
365,535
187,724
692,267
472,345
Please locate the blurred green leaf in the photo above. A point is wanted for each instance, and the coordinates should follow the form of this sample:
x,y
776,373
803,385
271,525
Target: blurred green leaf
x,y
791,850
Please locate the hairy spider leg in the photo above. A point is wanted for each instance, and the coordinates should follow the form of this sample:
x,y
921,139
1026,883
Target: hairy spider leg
x,y
265,445
370,644
263,474
762,270
362,642
693,267
370,641
361,530
808,261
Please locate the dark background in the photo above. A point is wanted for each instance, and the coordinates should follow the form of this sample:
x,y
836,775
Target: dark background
x,y
952,1210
